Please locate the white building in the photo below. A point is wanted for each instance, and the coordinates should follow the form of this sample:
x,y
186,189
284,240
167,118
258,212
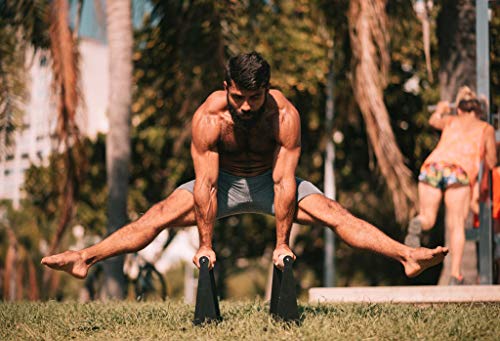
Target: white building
x,y
33,142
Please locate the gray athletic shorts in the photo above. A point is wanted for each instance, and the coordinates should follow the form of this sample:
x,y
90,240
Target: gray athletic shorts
x,y
236,194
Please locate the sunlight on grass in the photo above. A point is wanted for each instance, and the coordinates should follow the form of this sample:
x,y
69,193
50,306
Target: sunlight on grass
x,y
247,320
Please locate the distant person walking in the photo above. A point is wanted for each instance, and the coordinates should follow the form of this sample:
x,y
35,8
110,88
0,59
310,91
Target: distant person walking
x,y
451,171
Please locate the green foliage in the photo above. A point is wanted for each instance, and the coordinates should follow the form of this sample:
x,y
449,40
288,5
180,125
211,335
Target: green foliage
x,y
30,19
495,58
43,192
23,25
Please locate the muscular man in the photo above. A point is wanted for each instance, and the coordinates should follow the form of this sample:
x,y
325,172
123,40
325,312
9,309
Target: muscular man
x,y
245,149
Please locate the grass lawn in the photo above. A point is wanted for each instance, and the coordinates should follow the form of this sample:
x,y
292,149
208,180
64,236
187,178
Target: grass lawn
x,y
247,320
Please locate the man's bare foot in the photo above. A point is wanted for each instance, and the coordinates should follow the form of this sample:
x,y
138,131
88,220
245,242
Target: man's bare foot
x,y
70,261
421,258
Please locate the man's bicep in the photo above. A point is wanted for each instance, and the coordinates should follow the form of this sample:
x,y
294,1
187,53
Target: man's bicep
x,y
286,162
289,146
204,147
206,163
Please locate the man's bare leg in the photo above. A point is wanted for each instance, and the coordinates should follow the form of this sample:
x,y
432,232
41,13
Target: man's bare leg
x,y
174,211
357,233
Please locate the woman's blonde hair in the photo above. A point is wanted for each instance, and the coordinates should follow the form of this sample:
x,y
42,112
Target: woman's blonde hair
x,y
467,101
464,94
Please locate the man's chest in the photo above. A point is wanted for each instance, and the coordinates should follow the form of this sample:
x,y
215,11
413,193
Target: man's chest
x,y
256,140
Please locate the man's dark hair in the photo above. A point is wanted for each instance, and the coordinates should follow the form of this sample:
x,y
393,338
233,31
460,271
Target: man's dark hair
x,y
248,71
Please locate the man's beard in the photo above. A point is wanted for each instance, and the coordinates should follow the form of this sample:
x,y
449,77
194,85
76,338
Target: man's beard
x,y
248,122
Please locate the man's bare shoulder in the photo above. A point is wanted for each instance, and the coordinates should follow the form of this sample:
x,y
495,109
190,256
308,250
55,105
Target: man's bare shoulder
x,y
207,119
280,98
215,103
288,120
286,109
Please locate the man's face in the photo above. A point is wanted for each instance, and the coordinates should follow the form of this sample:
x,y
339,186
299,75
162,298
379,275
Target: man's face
x,y
245,105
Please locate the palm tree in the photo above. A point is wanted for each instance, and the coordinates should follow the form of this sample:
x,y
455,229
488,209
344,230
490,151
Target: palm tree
x,y
21,24
65,58
120,40
26,22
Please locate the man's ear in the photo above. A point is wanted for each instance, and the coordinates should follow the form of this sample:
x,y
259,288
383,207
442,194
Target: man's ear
x,y
225,85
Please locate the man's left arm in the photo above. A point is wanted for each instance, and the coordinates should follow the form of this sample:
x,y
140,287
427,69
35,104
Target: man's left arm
x,y
285,187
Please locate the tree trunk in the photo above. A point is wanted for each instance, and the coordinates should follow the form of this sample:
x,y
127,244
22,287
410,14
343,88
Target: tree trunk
x,y
11,263
457,47
119,32
457,58
65,71
34,292
369,40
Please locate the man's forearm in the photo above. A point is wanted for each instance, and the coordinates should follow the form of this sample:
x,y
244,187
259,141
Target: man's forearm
x,y
206,212
284,207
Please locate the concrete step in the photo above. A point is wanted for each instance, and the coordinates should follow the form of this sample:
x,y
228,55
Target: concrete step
x,y
407,294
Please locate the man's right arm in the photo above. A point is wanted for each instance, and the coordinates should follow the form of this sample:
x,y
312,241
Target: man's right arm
x,y
205,134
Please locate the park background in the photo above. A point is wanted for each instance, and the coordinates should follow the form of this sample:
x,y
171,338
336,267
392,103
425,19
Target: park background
x,y
369,55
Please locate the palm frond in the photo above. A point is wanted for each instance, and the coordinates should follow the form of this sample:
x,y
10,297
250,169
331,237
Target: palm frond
x,y
22,23
65,71
12,79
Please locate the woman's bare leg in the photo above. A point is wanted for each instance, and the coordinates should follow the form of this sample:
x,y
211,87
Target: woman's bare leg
x,y
174,211
318,209
457,203
429,200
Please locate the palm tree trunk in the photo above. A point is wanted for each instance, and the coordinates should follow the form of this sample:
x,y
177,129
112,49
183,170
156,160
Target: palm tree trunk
x,y
65,87
369,39
119,30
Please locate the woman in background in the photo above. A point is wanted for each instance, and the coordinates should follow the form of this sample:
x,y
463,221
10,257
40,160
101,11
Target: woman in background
x,y
451,171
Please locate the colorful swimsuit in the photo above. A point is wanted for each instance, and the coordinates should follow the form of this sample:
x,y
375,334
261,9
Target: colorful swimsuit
x,y
442,175
457,157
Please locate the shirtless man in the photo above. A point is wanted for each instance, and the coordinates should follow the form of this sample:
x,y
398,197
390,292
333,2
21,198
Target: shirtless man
x,y
245,149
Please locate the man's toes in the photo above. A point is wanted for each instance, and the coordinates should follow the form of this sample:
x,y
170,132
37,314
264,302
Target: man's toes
x,y
443,250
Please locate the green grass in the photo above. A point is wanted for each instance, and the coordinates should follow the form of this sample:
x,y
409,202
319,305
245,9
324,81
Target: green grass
x,y
246,320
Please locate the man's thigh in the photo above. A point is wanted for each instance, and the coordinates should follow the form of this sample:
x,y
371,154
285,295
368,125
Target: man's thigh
x,y
315,209
179,207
